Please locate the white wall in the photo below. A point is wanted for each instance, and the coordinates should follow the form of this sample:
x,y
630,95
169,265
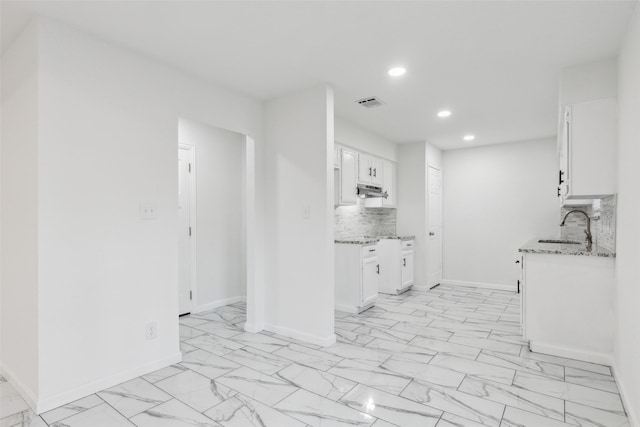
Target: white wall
x,y
495,199
220,212
19,294
299,152
586,82
350,134
108,141
627,331
412,206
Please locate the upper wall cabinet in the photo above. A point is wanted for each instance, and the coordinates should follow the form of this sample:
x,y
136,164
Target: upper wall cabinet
x,y
587,151
369,169
388,185
346,178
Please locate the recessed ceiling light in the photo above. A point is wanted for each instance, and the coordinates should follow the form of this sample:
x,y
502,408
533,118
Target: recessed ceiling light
x,y
469,137
444,113
397,72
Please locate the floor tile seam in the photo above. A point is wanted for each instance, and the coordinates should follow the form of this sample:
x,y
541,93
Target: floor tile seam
x,y
570,400
62,406
568,382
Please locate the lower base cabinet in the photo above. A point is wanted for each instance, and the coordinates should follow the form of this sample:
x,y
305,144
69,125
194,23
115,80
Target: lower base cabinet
x,y
357,273
567,305
396,265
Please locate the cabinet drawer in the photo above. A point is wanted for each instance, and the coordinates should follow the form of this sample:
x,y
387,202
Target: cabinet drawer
x,y
407,244
369,251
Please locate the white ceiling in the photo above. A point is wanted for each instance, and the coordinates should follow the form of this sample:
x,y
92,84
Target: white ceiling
x,y
494,64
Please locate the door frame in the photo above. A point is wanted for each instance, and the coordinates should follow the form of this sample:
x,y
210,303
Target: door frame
x,y
192,220
439,169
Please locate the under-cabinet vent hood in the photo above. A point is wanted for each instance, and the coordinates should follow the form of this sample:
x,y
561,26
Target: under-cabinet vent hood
x,y
365,190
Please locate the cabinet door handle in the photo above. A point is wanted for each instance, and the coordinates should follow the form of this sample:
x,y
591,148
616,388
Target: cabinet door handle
x,y
431,233
372,250
404,262
375,172
518,262
560,180
369,171
378,269
558,191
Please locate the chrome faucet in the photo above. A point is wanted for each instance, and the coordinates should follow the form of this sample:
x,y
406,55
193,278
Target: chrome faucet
x,y
587,231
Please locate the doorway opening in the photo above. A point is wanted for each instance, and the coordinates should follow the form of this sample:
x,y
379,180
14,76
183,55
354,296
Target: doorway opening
x,y
216,203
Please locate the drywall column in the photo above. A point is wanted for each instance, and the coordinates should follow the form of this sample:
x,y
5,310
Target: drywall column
x,y
299,216
19,298
627,329
413,162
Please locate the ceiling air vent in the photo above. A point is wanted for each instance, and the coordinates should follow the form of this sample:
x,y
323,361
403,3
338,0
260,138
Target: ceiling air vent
x,y
370,102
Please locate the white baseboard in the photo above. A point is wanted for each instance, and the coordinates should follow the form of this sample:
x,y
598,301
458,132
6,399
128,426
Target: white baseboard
x,y
632,415
60,399
26,393
572,353
253,328
346,308
496,286
302,336
420,288
218,303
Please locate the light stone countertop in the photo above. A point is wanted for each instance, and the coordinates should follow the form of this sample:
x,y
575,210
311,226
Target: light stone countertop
x,y
535,247
357,240
397,237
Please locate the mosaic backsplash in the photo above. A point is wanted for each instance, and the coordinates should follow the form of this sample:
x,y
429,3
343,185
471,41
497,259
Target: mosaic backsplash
x,y
358,220
603,222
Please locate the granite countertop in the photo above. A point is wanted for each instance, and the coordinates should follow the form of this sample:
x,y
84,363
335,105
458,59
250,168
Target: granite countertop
x,y
535,247
397,237
357,240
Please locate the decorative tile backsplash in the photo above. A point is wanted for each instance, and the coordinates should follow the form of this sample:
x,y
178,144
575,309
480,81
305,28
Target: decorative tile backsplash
x,y
603,222
358,220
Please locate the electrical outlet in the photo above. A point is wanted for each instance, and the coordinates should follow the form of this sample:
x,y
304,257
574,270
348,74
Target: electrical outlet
x,y
151,331
306,212
148,211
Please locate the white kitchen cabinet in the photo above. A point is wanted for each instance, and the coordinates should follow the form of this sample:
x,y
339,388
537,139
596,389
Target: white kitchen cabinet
x,y
587,150
336,157
388,185
407,268
567,305
347,177
369,169
396,265
357,273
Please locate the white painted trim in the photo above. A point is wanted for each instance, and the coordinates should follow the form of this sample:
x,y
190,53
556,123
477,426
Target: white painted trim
x,y
302,336
420,288
193,215
496,286
572,353
346,308
60,399
253,328
218,303
633,417
25,392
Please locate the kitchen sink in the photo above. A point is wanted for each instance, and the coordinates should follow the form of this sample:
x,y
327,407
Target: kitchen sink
x,y
562,242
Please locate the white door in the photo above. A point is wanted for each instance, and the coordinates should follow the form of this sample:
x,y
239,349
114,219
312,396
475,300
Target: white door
x,y
184,232
365,171
370,274
389,183
434,256
376,171
348,173
407,269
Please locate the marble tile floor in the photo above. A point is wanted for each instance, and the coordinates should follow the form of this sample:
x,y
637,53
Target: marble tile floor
x,y
452,356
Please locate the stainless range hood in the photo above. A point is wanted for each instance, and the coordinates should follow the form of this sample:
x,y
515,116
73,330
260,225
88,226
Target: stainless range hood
x,y
366,191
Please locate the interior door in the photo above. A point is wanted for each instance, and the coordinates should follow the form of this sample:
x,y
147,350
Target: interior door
x,y
184,231
370,268
434,256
